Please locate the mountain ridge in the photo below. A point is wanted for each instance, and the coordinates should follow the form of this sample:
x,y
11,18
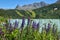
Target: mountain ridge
x,y
47,12
31,6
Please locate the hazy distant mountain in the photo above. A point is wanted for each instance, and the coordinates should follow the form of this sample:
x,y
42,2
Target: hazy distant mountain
x,y
31,6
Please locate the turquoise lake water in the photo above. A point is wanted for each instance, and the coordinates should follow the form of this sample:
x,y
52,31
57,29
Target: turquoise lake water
x,y
41,21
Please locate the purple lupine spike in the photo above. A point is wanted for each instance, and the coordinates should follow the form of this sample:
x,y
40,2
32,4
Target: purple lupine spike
x,y
48,28
28,24
1,32
10,25
22,25
23,22
16,24
37,24
45,27
34,25
49,25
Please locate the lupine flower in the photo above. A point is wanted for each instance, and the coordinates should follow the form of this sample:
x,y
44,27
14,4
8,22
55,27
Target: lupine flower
x,y
10,28
45,27
16,24
48,27
1,32
22,25
10,25
23,22
28,24
34,25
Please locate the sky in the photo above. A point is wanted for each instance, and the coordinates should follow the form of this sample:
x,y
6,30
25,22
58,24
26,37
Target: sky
x,y
11,4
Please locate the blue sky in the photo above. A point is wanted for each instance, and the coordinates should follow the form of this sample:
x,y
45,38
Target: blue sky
x,y
6,4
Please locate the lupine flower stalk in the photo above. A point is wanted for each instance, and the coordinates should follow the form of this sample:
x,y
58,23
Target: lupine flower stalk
x,y
45,28
23,22
16,24
34,25
1,32
28,25
22,25
10,27
48,27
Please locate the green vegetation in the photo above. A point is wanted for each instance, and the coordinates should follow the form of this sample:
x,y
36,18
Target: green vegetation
x,y
46,12
30,32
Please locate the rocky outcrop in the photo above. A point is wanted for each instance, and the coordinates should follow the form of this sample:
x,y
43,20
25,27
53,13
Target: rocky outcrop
x,y
31,6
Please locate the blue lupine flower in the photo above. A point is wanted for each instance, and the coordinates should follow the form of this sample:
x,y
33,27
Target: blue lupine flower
x,y
48,27
1,32
34,25
37,24
23,22
10,27
16,24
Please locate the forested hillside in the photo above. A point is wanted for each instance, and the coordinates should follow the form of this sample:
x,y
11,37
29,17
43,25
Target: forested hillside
x,y
50,12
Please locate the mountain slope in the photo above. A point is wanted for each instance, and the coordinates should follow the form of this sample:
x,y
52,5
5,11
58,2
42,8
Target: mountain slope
x,y
31,6
51,12
48,11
